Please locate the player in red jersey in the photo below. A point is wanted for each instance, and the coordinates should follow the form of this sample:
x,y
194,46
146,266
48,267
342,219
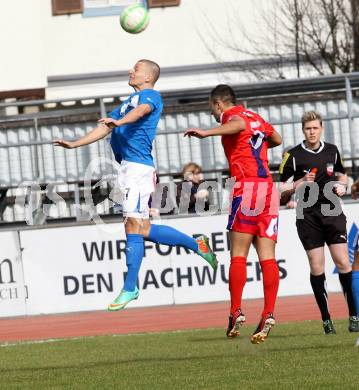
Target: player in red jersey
x,y
253,219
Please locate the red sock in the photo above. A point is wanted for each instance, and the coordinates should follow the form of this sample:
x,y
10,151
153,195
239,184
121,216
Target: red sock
x,y
237,280
270,274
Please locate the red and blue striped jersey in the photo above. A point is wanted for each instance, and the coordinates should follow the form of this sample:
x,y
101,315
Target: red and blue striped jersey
x,y
246,151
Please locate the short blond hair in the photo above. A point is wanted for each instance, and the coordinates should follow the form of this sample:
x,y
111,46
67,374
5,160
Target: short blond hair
x,y
189,169
311,116
153,67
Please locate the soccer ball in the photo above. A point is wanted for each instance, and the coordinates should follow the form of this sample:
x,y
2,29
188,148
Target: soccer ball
x,y
134,18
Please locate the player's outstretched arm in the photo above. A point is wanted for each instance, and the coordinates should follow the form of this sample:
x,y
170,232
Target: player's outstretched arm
x,y
94,135
234,126
132,117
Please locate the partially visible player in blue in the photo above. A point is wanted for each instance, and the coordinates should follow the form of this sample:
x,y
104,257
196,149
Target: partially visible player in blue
x,y
133,125
355,269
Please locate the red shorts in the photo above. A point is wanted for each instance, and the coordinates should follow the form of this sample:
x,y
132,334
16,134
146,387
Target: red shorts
x,y
254,210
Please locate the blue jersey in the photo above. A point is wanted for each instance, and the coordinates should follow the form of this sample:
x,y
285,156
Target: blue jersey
x,y
133,142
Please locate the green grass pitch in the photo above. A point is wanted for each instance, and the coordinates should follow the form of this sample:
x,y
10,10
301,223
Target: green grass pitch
x,y
296,356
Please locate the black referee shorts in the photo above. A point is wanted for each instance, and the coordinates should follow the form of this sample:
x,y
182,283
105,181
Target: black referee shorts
x,y
315,229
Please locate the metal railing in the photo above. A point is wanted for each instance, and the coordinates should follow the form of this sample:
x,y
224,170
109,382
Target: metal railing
x,y
27,154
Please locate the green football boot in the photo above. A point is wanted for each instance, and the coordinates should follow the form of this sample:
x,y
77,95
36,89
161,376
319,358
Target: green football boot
x,y
123,299
205,251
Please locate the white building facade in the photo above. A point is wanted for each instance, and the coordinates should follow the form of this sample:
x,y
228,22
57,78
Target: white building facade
x,y
88,54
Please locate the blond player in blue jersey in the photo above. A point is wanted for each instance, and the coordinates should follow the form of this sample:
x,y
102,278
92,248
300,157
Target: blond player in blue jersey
x,y
133,125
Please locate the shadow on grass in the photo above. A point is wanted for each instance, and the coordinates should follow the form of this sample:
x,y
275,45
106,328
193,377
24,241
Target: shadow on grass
x,y
151,360
196,339
109,363
207,339
296,335
309,347
269,348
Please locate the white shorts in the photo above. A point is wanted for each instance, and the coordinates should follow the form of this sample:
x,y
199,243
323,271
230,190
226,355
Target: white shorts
x,y
136,183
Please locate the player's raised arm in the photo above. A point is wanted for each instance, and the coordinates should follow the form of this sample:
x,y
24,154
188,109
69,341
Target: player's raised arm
x,y
99,132
132,117
232,127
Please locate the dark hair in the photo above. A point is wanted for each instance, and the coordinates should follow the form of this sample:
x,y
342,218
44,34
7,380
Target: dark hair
x,y
154,68
224,93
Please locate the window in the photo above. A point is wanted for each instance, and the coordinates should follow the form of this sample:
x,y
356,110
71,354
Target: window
x,y
65,7
162,3
103,7
107,7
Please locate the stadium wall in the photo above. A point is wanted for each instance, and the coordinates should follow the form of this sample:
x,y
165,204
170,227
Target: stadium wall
x,y
27,153
68,269
44,46
23,63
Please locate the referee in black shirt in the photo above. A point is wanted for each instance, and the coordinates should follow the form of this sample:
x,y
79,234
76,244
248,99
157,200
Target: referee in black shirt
x,y
314,166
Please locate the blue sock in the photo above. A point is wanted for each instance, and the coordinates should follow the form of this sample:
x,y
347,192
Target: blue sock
x,y
134,253
355,288
167,235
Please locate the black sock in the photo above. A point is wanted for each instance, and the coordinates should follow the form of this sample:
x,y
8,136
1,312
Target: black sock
x,y
346,282
321,295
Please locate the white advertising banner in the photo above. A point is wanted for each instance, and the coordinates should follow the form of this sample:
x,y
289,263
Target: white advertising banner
x,y
82,268
208,286
12,290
